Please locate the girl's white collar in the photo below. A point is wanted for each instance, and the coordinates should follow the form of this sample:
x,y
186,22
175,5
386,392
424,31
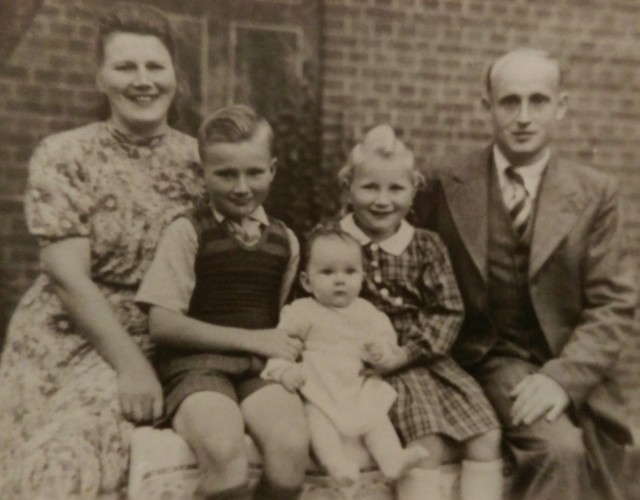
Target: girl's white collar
x,y
394,244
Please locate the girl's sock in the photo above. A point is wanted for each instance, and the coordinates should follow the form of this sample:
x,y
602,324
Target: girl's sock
x,y
267,491
481,476
419,484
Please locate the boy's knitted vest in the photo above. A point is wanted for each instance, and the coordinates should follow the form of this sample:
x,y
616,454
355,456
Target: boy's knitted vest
x,y
237,286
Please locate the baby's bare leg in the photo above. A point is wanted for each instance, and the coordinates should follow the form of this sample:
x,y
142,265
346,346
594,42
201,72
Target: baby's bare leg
x,y
328,447
385,447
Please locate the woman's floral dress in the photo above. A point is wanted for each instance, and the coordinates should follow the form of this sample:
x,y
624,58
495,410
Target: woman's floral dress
x,y
62,435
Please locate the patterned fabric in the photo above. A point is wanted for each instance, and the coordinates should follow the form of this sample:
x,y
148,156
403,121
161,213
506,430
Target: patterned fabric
x,y
235,285
519,203
248,231
417,290
61,431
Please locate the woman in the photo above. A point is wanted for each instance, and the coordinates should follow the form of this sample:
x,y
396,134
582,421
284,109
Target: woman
x,y
74,376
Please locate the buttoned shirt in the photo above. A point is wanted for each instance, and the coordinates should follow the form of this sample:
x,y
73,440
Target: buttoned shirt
x,y
531,174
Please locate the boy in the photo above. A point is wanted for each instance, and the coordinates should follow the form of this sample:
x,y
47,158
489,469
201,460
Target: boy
x,y
214,290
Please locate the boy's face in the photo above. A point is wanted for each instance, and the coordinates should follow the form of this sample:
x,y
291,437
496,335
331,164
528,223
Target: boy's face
x,y
238,175
334,273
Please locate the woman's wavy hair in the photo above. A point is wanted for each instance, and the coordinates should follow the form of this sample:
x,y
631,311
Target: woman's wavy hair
x,y
141,19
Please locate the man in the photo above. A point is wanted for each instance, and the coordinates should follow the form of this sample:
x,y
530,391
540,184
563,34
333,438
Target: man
x,y
536,244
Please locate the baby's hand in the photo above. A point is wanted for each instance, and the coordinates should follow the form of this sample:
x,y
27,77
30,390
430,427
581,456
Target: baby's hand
x,y
373,352
293,378
382,357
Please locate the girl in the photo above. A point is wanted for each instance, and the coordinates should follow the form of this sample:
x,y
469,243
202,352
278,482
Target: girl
x,y
336,325
409,277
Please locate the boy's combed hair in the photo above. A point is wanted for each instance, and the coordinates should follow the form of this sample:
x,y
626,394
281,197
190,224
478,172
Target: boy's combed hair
x,y
380,142
322,231
232,124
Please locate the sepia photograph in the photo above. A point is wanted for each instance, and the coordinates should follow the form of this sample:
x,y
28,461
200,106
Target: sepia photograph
x,y
411,227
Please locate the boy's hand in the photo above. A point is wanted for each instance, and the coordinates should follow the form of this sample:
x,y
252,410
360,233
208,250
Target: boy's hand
x,y
275,343
382,358
293,378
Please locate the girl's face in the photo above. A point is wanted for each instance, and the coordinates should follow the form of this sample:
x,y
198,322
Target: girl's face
x,y
381,196
138,77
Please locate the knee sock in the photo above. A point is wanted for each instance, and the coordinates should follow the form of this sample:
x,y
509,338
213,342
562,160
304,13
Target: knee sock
x,y
485,477
419,484
267,491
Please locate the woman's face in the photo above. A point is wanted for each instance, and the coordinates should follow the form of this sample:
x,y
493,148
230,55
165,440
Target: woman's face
x,y
138,77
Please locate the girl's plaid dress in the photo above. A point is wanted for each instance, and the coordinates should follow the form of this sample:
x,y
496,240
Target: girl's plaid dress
x,y
409,277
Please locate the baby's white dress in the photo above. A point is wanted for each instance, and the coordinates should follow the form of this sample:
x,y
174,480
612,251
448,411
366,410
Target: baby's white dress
x,y
332,361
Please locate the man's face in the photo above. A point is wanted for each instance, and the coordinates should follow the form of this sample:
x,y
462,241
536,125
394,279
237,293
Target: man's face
x,y
526,105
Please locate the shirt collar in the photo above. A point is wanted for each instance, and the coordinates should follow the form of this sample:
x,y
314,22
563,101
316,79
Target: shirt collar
x,y
258,215
394,244
531,174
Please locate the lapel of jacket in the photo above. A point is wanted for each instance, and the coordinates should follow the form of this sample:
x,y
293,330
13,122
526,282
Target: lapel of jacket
x,y
559,205
467,193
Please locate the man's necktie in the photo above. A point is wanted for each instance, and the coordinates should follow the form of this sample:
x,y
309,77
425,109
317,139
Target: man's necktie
x,y
519,204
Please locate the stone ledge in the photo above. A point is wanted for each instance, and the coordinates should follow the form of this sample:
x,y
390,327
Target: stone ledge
x,y
163,466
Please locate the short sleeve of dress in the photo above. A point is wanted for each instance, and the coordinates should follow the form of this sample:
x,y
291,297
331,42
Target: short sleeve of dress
x,y
58,200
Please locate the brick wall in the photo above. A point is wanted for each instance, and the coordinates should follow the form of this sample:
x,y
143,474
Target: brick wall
x,y
46,85
420,65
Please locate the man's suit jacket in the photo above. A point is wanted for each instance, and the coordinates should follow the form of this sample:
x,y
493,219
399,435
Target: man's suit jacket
x,y
581,284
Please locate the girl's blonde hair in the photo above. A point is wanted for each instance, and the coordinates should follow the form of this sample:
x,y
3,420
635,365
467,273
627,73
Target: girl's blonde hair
x,y
380,142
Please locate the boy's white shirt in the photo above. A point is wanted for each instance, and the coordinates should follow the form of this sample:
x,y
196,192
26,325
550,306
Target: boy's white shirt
x,y
394,244
170,280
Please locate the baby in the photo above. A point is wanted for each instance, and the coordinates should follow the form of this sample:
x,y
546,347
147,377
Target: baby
x,y
341,332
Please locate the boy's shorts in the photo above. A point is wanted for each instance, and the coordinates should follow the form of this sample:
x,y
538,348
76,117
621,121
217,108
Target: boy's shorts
x,y
237,377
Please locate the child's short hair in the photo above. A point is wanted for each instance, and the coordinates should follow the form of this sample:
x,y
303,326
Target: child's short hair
x,y
323,231
232,124
379,142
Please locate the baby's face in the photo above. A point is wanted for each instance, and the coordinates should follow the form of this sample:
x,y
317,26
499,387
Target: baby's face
x,y
334,272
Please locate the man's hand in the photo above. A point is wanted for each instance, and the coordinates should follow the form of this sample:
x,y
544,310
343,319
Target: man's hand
x,y
382,357
535,396
293,378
